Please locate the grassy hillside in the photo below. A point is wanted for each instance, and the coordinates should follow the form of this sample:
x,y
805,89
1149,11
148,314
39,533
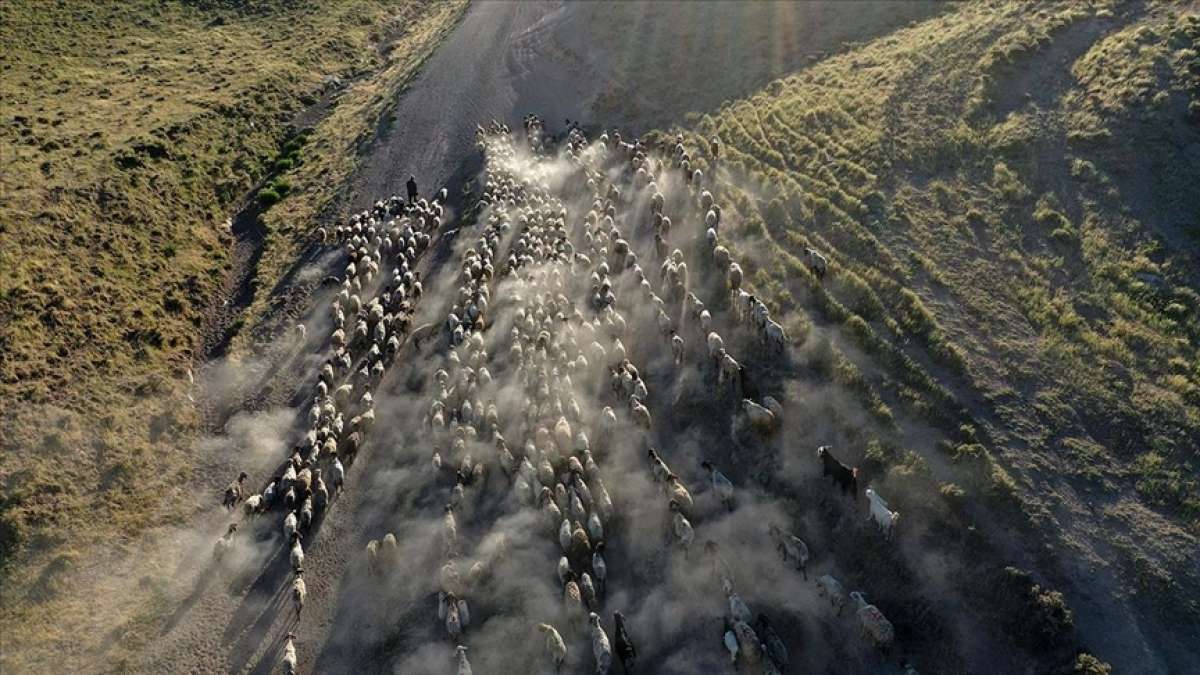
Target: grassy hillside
x,y
1006,194
132,133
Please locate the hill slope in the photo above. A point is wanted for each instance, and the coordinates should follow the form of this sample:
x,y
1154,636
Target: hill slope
x,y
132,133
1006,197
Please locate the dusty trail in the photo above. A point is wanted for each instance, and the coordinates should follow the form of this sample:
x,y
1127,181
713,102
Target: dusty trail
x,y
498,63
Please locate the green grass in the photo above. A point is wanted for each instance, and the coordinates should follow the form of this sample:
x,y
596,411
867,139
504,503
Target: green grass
x,y
132,132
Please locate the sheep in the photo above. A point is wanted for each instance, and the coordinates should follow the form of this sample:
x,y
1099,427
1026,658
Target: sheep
x,y
373,556
224,544
449,530
682,528
339,476
453,620
599,567
572,598
464,666
816,262
564,566
233,493
748,643
658,467
299,591
875,627
729,370
677,349
757,416
556,649
389,550
721,484
790,546
721,569
588,588
828,586
775,648
731,643
738,610
291,525
289,654
678,493
773,336
252,506
564,535
581,547
884,517
640,414
843,475
625,649
297,554
716,346
601,650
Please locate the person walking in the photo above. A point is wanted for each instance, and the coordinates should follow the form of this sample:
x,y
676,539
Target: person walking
x,y
412,189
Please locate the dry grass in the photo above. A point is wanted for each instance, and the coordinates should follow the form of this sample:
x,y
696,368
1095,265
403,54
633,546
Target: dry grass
x,y
994,259
132,131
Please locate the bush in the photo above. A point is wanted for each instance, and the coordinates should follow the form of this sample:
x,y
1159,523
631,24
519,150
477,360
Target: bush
x,y
1037,619
268,197
1086,664
282,186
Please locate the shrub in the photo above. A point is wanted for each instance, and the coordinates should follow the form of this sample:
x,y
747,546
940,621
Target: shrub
x,y
1063,235
1037,619
1086,664
282,186
268,197
1006,181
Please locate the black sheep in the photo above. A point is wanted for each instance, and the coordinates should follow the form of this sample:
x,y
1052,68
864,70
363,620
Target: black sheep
x,y
842,474
624,646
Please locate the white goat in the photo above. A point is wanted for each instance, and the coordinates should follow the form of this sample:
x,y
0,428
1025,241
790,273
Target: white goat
x,y
884,517
601,649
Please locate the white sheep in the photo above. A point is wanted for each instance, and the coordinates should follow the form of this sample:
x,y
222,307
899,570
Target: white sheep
x,y
716,346
464,666
682,527
224,544
297,554
299,592
757,416
373,556
289,654
729,369
252,506
291,525
601,649
677,349
735,277
556,649
884,517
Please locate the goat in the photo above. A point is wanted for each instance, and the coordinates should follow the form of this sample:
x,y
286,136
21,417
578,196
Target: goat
x,y
843,475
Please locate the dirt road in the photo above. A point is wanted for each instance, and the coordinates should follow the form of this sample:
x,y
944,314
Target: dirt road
x,y
504,59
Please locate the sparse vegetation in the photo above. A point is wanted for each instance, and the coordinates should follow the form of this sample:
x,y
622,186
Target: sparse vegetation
x,y
983,274
132,132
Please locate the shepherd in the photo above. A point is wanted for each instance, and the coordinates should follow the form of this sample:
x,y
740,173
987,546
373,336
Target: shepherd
x,y
412,189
